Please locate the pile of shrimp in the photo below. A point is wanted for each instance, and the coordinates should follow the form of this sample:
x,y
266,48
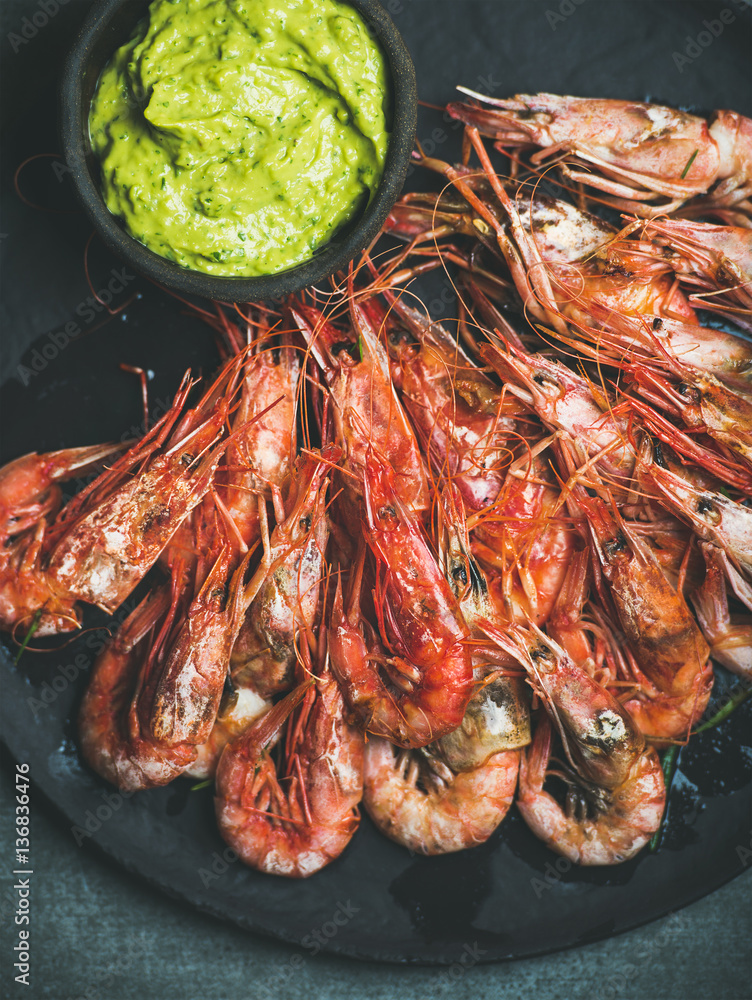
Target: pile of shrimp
x,y
431,570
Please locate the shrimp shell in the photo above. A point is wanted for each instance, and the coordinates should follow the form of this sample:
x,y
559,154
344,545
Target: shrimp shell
x,y
453,813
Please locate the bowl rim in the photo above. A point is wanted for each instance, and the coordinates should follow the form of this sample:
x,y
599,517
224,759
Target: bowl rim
x,y
333,256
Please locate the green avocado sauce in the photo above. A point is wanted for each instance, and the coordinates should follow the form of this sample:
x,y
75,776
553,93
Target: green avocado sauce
x,y
236,136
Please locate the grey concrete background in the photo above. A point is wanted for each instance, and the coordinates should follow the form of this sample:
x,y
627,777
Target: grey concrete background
x,y
99,933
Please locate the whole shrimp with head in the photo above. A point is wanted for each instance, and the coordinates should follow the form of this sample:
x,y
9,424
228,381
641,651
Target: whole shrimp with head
x,y
367,413
114,740
671,671
30,498
416,689
714,261
463,420
417,800
288,581
260,457
615,791
647,158
184,689
601,294
296,815
497,716
523,541
568,402
114,531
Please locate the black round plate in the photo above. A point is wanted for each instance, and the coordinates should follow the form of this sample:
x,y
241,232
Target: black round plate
x,y
510,897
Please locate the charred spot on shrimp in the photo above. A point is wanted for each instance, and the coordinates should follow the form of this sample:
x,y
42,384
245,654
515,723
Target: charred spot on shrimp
x,y
156,515
607,732
477,579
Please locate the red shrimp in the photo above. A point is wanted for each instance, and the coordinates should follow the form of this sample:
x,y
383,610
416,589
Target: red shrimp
x,y
566,625
260,458
615,790
633,306
718,519
525,543
367,412
288,582
649,159
462,419
497,716
113,740
715,259
30,497
597,826
663,341
423,805
703,403
116,529
295,816
182,697
593,280
729,636
568,402
419,690
672,655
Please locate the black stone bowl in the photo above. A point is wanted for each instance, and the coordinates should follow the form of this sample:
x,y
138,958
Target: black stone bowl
x,y
108,25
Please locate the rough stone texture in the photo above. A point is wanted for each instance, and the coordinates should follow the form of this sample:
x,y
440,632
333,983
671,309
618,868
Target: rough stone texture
x,y
101,934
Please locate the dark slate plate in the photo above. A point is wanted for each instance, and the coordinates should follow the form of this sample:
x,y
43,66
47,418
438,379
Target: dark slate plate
x,y
510,897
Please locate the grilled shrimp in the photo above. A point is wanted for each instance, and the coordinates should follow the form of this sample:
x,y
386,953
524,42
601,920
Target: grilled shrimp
x,y
287,592
618,301
615,789
729,636
260,458
183,696
497,716
113,740
566,401
703,403
715,259
597,826
30,497
669,648
419,689
649,159
716,518
367,413
462,419
423,805
296,816
117,527
525,546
